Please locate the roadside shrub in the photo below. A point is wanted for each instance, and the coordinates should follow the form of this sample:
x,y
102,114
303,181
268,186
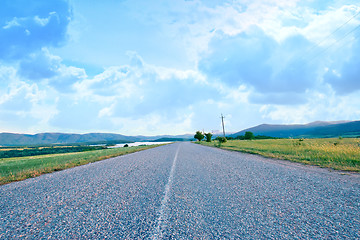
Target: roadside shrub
x,y
199,136
221,140
208,137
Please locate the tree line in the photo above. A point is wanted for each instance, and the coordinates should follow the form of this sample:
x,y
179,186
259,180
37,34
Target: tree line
x,y
247,136
47,150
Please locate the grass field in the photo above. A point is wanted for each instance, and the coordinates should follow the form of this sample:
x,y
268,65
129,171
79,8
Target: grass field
x,y
335,153
20,168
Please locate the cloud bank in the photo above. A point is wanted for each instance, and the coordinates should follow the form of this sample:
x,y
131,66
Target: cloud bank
x,y
173,69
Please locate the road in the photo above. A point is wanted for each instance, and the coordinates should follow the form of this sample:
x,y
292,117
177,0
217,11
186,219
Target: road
x,y
183,191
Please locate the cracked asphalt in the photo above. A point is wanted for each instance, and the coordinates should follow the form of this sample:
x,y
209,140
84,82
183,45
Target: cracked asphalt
x,y
184,191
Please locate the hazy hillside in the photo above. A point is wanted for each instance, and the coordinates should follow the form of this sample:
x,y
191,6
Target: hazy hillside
x,y
12,139
172,139
311,130
343,129
159,137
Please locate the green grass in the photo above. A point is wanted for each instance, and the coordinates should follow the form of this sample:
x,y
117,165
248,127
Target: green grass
x,y
335,153
20,168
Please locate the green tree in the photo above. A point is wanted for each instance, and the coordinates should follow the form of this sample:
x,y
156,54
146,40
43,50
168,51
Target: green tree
x,y
249,136
221,140
208,137
199,136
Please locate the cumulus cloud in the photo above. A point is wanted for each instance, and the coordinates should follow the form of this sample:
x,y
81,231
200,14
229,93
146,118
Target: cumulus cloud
x,y
280,60
77,114
327,106
27,30
259,62
254,61
39,65
23,105
345,78
44,67
134,98
288,98
154,122
140,88
67,78
26,26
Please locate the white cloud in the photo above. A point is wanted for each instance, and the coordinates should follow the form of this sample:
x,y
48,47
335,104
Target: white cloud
x,y
325,106
13,23
23,106
44,21
40,65
47,69
106,111
67,78
154,123
324,29
143,87
174,68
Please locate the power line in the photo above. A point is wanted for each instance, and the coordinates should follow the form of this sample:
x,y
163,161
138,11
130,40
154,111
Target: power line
x,y
328,47
356,36
307,53
332,33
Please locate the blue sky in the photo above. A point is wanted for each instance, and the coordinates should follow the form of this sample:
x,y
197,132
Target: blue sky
x,y
173,67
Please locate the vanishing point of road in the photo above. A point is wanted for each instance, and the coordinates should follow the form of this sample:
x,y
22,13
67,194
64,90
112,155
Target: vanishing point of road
x,y
184,191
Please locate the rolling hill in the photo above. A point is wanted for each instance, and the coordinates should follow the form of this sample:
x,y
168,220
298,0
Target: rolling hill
x,y
311,130
13,139
317,129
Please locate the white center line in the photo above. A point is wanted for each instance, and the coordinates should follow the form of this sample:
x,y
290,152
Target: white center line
x,y
162,219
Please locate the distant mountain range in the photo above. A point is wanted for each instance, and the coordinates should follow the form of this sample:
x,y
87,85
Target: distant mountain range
x,y
13,139
317,129
311,130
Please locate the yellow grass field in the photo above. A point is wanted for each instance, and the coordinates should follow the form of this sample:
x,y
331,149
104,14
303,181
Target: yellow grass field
x,y
335,153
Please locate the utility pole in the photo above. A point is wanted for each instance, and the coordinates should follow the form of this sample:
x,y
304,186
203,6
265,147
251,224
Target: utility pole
x,y
222,120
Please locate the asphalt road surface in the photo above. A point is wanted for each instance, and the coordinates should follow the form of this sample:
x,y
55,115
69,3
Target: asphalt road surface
x,y
183,191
